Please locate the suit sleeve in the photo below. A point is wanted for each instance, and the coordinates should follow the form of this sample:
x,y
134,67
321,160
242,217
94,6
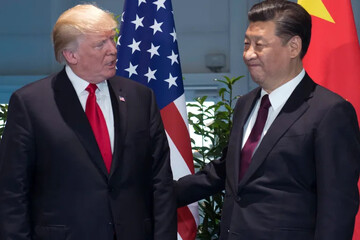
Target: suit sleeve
x,y
206,182
16,164
337,156
210,180
165,218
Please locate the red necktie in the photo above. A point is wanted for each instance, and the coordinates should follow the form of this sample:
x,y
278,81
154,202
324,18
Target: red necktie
x,y
98,125
255,135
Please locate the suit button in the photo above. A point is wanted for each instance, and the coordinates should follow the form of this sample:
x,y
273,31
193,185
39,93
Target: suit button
x,y
238,199
110,223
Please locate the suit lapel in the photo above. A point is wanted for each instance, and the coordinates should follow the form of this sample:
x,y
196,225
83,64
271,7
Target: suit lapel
x,y
291,112
119,104
74,115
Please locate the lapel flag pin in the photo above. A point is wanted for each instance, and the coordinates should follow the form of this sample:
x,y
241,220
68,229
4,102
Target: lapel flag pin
x,y
122,99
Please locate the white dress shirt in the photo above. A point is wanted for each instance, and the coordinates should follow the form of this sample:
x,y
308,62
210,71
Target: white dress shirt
x,y
102,99
277,98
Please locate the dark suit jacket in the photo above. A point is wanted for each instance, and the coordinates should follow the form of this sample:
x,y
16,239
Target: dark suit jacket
x,y
53,182
302,181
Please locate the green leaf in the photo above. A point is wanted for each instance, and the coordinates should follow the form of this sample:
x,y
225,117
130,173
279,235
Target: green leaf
x,y
202,99
222,92
3,117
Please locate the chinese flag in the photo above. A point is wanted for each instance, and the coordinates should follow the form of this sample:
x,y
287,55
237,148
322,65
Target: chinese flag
x,y
333,58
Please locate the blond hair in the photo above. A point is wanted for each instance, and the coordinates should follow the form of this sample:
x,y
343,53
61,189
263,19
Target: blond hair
x,y
76,22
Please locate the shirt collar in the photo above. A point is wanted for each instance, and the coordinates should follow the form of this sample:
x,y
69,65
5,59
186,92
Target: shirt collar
x,y
80,84
279,96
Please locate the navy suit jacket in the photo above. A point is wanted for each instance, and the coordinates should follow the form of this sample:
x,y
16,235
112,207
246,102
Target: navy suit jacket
x,y
302,181
53,181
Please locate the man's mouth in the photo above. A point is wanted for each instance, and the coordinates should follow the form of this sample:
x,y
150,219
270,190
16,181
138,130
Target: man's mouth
x,y
112,63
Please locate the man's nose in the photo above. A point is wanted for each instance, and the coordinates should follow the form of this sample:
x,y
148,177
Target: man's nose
x,y
249,53
112,47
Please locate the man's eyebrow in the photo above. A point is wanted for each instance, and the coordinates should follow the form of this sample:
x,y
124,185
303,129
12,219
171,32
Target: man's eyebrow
x,y
254,37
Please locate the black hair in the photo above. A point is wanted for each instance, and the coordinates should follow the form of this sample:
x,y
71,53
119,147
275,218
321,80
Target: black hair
x,y
290,18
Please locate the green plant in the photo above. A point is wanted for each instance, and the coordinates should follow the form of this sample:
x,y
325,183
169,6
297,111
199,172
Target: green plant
x,y
117,30
213,124
3,117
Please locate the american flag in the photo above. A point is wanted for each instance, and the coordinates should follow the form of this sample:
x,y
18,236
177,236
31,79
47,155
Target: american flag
x,y
148,53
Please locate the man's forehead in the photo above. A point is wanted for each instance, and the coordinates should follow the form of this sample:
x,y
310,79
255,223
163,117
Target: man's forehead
x,y
260,28
100,34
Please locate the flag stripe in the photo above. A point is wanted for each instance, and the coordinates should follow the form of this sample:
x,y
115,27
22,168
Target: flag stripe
x,y
181,167
187,230
194,211
178,132
181,106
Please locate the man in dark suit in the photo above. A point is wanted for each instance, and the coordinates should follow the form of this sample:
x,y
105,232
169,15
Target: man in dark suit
x,y
84,154
292,164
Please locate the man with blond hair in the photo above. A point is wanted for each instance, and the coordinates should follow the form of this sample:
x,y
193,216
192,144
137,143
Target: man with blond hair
x,y
84,154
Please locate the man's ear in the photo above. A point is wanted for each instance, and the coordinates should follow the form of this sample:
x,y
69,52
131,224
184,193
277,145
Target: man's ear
x,y
70,56
295,46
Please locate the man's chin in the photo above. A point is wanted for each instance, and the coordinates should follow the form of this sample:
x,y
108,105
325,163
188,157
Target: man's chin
x,y
256,78
111,73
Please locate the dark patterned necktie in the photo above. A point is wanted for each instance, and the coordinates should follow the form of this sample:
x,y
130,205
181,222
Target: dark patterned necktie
x,y
255,136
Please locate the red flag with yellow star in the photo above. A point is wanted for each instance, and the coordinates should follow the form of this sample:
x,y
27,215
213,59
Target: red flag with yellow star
x,y
333,58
